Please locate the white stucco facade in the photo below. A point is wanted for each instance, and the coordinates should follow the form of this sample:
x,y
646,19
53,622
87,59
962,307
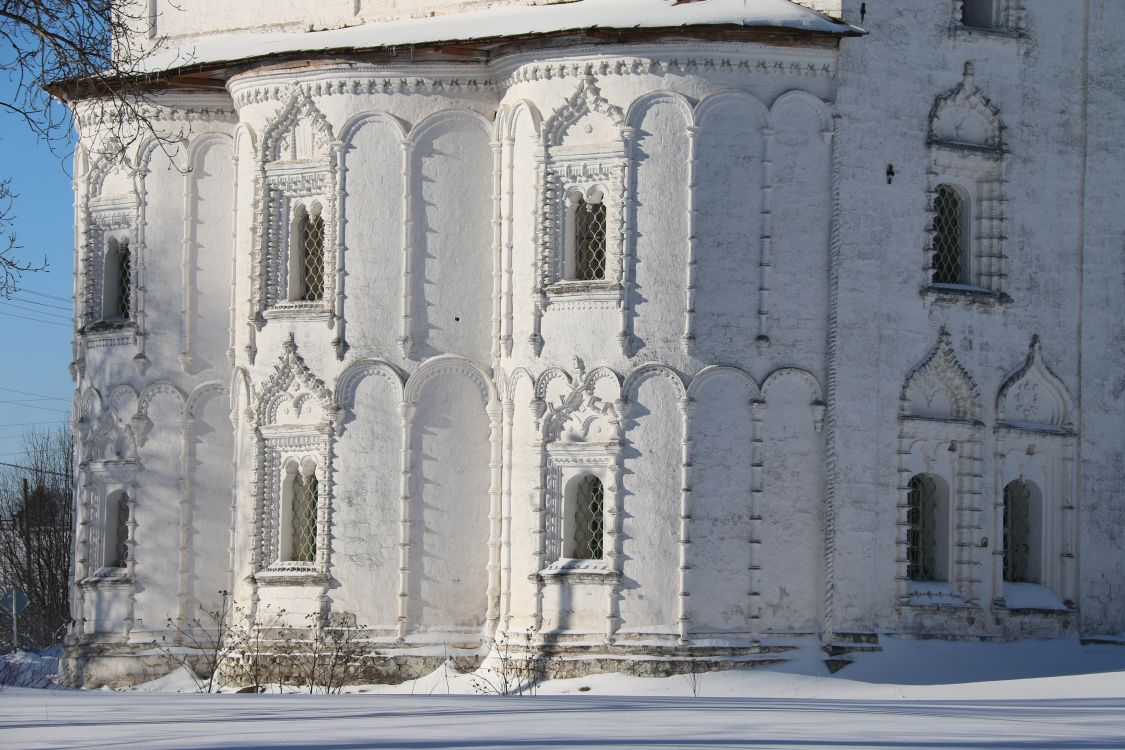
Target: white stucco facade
x,y
764,379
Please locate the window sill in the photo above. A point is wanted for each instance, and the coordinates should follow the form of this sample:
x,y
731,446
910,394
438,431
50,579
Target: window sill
x,y
300,311
1030,599
108,328
935,594
964,294
290,574
107,578
569,571
593,288
995,34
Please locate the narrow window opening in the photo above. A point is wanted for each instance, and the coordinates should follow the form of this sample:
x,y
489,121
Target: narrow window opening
x,y
928,530
589,240
1022,531
979,14
589,519
950,243
303,509
117,281
117,530
306,258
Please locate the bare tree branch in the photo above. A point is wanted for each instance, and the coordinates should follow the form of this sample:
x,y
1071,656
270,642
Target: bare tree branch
x,y
59,51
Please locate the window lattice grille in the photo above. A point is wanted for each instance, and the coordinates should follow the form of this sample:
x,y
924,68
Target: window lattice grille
x,y
589,520
120,532
1017,532
589,240
312,256
979,14
949,236
304,518
921,558
125,279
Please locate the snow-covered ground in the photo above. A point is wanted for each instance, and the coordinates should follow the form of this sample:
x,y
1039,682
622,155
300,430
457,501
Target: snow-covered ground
x,y
914,694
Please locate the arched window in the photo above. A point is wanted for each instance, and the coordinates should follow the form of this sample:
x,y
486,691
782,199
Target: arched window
x,y
117,530
586,511
979,14
951,238
1023,532
299,528
586,259
306,256
117,281
928,532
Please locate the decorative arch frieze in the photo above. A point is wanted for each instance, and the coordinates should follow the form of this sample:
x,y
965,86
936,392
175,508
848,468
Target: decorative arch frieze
x,y
510,115
352,126
816,405
718,371
155,389
650,370
940,387
1033,397
349,380
202,391
798,98
450,364
543,382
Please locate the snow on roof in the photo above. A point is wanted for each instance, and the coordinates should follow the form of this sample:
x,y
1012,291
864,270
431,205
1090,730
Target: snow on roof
x,y
490,23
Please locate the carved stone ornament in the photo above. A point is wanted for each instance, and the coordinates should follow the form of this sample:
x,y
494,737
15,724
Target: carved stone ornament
x,y
966,117
294,396
939,387
299,132
1033,397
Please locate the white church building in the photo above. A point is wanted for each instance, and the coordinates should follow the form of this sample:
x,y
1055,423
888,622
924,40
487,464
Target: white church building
x,y
656,331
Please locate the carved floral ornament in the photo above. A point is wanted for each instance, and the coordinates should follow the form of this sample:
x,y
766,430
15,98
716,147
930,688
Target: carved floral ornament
x,y
586,118
966,117
1034,398
939,387
294,396
581,417
299,132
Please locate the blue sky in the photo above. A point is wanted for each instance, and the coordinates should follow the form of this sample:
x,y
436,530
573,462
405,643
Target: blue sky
x,y
35,385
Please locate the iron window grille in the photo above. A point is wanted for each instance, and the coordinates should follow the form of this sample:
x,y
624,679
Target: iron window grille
x,y
589,520
921,558
120,548
311,243
589,240
125,277
1017,532
950,242
304,509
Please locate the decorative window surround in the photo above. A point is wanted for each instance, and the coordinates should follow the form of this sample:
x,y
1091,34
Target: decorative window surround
x,y
583,155
939,427
580,434
299,170
967,153
295,422
1035,439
